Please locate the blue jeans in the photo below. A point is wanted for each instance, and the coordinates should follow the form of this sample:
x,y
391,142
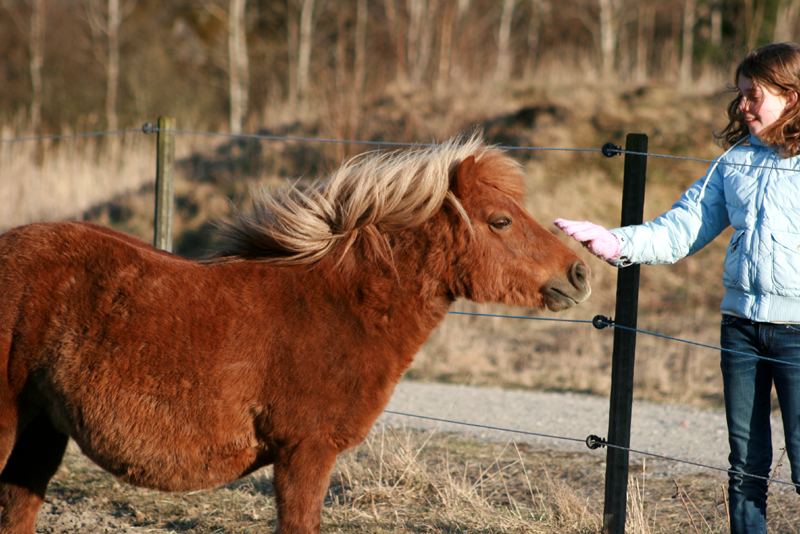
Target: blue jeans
x,y
747,385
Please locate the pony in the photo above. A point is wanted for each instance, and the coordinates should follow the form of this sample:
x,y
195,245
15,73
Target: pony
x,y
282,348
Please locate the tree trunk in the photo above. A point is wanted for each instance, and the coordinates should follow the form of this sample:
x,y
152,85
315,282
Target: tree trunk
x,y
608,37
459,68
420,35
534,24
112,67
687,42
291,56
445,48
786,20
716,23
238,65
304,48
397,28
340,55
360,61
644,37
36,61
504,62
754,19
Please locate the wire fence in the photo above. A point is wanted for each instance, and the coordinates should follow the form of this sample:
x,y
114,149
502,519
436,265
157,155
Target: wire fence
x,y
609,149
592,441
599,322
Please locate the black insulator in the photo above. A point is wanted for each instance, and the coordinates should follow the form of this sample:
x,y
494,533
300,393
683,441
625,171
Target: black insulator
x,y
595,442
610,150
601,321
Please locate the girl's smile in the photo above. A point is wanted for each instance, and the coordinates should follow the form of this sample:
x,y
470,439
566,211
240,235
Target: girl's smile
x,y
760,104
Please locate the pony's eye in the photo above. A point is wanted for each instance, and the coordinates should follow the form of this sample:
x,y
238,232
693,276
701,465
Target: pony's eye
x,y
500,222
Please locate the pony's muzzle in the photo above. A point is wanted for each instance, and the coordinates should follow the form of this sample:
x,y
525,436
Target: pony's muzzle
x,y
562,293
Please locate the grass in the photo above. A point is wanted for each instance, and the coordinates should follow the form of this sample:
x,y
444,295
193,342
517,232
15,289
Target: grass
x,y
51,180
401,480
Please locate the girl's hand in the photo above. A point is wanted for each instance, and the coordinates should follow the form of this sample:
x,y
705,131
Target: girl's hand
x,y
597,239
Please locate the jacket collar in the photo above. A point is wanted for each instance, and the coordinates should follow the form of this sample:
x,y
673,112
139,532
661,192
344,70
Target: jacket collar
x,y
754,140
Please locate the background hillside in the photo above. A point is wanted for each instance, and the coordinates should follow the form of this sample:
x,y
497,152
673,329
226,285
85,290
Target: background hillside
x,y
89,64
576,73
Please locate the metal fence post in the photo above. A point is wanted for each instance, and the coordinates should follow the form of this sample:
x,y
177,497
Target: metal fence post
x,y
165,202
621,400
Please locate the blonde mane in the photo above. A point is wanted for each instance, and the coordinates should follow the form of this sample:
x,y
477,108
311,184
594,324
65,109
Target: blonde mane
x,y
369,195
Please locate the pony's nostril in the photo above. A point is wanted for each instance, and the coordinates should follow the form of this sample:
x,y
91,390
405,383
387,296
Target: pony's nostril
x,y
579,274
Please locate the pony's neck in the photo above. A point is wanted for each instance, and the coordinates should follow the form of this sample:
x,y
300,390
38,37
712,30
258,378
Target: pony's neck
x,y
403,299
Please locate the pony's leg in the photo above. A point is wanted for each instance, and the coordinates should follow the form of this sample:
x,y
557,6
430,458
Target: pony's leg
x,y
9,417
301,479
8,428
23,482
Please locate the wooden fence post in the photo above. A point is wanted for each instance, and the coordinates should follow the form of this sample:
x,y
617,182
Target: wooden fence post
x,y
621,400
165,201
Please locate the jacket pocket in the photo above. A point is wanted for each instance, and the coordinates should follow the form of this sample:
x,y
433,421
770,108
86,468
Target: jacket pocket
x,y
786,261
731,276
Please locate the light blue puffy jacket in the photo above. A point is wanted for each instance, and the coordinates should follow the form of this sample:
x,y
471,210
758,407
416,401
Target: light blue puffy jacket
x,y
757,192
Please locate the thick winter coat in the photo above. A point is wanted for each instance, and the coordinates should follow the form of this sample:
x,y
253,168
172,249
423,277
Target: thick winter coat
x,y
757,192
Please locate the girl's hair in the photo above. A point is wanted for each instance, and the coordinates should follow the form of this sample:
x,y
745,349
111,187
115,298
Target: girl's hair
x,y
776,65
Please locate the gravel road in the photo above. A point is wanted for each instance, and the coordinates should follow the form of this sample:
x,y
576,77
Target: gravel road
x,y
677,431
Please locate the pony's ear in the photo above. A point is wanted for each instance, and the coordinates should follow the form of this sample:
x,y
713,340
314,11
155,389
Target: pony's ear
x,y
462,177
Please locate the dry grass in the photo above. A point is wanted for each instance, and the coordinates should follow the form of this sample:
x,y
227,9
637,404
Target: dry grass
x,y
53,180
424,482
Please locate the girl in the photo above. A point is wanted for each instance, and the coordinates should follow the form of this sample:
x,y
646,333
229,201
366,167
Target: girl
x,y
754,187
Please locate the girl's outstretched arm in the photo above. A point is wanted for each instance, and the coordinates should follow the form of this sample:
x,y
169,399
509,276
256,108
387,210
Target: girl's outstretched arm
x,y
594,237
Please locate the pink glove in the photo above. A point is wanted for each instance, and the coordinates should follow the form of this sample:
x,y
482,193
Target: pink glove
x,y
597,239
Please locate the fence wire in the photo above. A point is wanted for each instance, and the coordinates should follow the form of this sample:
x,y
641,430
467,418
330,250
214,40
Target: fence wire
x,y
69,136
606,150
613,150
593,442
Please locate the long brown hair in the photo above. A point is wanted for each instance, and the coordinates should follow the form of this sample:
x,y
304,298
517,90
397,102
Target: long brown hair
x,y
776,65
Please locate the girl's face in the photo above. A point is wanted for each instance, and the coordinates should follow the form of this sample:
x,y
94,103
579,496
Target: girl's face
x,y
760,104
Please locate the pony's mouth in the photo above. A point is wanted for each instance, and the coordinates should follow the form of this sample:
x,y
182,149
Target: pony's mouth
x,y
556,299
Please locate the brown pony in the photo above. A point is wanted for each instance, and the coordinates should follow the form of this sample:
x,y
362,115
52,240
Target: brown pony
x,y
283,349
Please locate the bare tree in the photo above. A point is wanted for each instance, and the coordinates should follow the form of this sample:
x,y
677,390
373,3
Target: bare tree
x,y
687,41
36,45
397,29
504,57
609,18
420,37
105,20
360,61
304,46
112,78
292,38
34,28
645,24
538,10
753,21
716,22
412,36
238,64
786,20
448,20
